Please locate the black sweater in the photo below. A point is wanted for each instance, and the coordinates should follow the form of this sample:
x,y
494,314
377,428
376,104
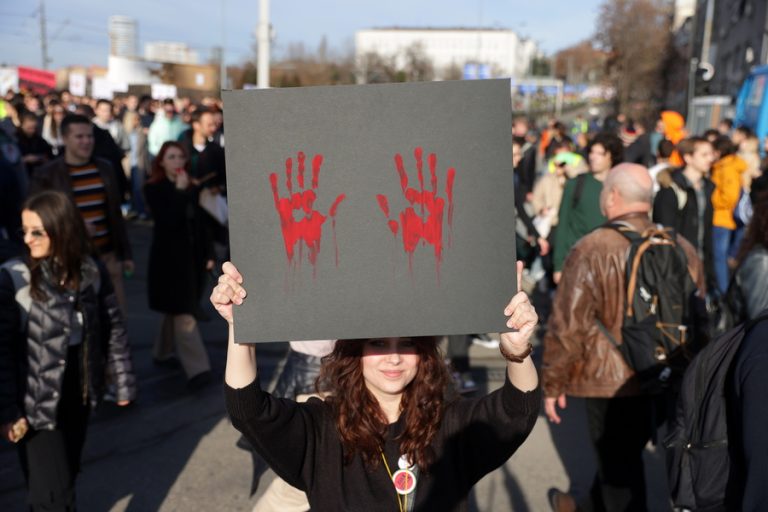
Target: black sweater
x,y
301,444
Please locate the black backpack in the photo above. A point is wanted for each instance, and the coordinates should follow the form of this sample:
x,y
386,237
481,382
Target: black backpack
x,y
659,290
698,461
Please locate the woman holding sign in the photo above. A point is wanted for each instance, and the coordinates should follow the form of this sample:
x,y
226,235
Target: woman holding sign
x,y
386,438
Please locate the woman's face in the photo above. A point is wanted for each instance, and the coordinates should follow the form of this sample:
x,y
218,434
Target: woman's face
x,y
172,161
389,365
35,236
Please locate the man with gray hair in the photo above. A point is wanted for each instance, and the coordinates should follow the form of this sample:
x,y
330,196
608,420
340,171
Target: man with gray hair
x,y
580,359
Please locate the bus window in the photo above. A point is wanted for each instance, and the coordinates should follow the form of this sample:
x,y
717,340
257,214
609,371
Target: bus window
x,y
756,92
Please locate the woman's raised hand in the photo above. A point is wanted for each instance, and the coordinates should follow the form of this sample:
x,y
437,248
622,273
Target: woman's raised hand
x,y
228,291
522,317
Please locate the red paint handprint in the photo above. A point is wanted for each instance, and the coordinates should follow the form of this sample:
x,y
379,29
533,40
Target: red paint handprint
x,y
422,221
299,222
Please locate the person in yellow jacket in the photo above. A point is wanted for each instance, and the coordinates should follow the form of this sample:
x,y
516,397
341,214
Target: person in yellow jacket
x,y
726,175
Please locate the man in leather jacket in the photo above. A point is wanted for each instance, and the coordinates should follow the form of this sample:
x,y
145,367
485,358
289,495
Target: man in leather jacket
x,y
580,361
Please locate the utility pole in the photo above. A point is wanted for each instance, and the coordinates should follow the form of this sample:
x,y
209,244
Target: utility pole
x,y
43,36
222,63
262,36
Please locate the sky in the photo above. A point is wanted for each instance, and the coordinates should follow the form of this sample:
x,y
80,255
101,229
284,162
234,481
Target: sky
x,y
77,29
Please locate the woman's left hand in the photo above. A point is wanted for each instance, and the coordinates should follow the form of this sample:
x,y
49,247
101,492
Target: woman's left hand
x,y
123,403
522,317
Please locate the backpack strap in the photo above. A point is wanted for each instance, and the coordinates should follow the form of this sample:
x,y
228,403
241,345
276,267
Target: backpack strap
x,y
639,243
580,180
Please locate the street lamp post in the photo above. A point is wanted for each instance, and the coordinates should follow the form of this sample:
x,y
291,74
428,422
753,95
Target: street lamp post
x,y
262,35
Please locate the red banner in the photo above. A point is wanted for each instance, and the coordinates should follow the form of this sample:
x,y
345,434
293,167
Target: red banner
x,y
38,81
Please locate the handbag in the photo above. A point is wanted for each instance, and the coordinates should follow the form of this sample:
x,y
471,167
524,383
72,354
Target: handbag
x,y
215,205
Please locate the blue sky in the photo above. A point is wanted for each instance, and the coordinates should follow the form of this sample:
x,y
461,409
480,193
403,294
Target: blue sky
x,y
77,29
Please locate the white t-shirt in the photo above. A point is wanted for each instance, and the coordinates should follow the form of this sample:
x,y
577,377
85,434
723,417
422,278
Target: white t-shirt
x,y
654,171
315,348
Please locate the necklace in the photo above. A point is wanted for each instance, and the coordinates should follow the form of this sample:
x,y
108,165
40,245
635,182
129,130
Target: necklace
x,y
404,480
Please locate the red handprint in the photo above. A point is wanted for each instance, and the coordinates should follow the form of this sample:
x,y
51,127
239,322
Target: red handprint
x,y
298,221
426,224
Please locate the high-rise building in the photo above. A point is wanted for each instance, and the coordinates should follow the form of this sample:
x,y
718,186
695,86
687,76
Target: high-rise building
x,y
123,37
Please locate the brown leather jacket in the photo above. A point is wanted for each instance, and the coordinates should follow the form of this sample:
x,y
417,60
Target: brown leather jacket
x,y
578,359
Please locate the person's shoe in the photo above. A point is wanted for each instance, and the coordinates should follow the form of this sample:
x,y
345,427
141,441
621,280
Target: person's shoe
x,y
199,381
487,343
463,383
467,385
561,501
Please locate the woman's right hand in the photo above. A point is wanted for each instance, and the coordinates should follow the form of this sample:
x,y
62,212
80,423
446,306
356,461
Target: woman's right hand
x,y
228,291
182,179
14,430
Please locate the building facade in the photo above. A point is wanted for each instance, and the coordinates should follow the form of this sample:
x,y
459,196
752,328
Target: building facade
x,y
731,36
502,52
168,51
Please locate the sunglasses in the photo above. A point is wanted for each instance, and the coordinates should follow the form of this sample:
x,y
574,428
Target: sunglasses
x,y
36,233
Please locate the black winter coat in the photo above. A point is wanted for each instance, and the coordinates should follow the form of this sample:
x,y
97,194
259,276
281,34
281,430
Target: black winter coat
x,y
675,206
181,244
34,340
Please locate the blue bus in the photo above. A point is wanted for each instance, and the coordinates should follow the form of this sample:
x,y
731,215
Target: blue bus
x,y
752,104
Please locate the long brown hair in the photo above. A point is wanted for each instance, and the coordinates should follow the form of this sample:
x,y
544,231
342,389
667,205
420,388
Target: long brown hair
x,y
158,173
757,230
360,421
70,243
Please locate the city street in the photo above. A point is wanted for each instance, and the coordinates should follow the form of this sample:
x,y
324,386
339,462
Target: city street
x,y
175,451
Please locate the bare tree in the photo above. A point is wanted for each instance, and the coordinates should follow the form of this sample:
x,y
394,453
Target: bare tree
x,y
580,63
418,67
453,72
635,35
374,68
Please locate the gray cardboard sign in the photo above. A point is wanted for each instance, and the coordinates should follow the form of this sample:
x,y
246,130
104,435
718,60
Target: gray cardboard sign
x,y
371,211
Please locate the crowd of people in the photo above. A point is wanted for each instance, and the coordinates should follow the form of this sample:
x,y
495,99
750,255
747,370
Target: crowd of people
x,y
706,194
75,171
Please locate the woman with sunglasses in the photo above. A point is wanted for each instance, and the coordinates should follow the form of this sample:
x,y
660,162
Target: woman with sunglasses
x,y
387,437
61,333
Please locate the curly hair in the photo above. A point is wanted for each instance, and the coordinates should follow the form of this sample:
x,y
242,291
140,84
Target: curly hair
x,y
611,143
359,419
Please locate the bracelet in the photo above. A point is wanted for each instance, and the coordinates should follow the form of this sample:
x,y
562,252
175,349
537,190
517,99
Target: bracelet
x,y
516,358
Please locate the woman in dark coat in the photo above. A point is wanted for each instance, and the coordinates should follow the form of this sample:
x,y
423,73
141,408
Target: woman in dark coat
x,y
181,253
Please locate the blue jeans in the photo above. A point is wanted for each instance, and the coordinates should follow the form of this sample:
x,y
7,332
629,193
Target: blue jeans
x,y
137,190
721,242
738,237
